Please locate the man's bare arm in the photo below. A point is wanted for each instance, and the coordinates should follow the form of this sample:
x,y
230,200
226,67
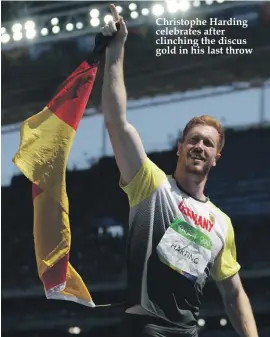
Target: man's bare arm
x,y
237,306
127,145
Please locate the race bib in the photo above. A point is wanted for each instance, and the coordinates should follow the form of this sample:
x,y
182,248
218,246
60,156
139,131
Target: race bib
x,y
185,249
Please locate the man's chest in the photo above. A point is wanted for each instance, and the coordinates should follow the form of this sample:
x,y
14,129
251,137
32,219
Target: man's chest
x,y
193,237
198,216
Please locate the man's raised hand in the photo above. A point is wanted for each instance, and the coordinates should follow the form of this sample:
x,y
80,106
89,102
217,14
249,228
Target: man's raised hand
x,y
110,28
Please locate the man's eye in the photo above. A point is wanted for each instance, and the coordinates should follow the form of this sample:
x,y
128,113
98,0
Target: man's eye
x,y
208,143
194,139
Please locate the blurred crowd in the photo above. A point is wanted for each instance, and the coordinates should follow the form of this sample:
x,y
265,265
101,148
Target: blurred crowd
x,y
239,185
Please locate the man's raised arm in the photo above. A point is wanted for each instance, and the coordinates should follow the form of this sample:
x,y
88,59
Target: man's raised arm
x,y
126,142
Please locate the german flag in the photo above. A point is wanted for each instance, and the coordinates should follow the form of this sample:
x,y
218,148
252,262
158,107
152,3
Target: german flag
x,y
46,139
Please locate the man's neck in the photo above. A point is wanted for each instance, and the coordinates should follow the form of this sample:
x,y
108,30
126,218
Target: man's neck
x,y
191,183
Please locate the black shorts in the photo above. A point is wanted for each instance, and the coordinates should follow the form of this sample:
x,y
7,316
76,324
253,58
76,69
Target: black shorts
x,y
147,326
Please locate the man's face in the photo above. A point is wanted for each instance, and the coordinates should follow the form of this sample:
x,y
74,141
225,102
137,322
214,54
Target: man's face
x,y
199,150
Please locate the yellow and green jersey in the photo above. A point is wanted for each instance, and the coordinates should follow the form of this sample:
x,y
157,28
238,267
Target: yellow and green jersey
x,y
175,243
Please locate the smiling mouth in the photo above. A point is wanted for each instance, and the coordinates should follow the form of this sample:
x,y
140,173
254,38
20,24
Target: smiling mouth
x,y
196,157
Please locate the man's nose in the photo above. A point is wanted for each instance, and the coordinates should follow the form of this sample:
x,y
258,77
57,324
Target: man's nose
x,y
199,146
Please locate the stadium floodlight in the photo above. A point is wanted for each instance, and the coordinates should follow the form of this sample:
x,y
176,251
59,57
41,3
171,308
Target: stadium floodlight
x,y
108,18
223,322
134,15
79,25
27,29
172,6
184,5
196,3
31,34
69,27
5,38
44,31
54,21
94,13
145,11
55,29
158,9
17,36
201,322
132,7
17,27
119,9
94,22
74,330
29,25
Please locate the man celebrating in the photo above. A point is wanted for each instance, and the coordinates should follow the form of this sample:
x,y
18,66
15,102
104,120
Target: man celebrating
x,y
177,237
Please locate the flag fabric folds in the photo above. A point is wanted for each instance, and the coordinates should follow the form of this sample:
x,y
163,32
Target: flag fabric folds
x,y
46,139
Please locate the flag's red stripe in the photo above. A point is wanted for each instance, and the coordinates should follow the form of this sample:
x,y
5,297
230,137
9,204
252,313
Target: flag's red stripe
x,y
71,100
35,191
57,274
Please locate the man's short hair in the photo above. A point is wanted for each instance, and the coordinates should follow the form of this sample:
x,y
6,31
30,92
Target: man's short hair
x,y
206,120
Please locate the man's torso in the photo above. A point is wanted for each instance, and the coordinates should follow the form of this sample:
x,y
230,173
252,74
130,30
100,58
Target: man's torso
x,y
173,243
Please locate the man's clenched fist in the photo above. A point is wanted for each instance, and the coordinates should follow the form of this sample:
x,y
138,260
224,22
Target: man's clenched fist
x,y
110,28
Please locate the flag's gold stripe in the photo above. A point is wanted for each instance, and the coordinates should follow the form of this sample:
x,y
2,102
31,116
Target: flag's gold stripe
x,y
43,154
75,285
51,232
42,158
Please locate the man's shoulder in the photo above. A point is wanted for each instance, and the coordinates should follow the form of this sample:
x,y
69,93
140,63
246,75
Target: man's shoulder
x,y
216,209
148,179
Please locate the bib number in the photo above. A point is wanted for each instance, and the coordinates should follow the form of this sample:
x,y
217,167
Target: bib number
x,y
185,249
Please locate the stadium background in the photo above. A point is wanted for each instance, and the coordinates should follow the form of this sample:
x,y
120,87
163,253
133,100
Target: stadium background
x,y
32,69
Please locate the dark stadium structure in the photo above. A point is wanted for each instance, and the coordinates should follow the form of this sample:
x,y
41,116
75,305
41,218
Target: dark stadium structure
x,y
239,185
41,67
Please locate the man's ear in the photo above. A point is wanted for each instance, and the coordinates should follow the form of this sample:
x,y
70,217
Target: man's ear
x,y
179,147
216,159
218,156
